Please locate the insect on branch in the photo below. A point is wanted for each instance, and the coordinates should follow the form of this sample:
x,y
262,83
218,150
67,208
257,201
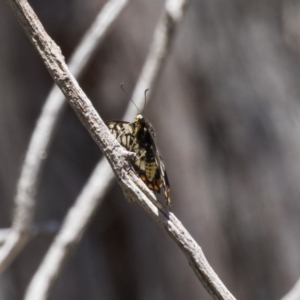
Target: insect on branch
x,y
77,99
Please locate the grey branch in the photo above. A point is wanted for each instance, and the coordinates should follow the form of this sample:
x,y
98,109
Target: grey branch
x,y
44,131
134,189
71,232
59,251
48,228
94,192
163,37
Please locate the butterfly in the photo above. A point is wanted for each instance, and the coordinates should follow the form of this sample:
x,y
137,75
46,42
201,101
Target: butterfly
x,y
139,137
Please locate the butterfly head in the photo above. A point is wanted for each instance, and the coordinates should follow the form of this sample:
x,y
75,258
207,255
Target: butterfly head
x,y
142,126
139,118
139,122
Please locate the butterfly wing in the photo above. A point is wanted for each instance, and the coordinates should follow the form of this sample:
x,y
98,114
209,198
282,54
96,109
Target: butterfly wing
x,y
123,132
160,177
140,139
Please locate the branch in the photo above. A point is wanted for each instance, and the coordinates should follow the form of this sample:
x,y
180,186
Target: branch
x,y
49,228
94,192
160,48
133,187
136,191
73,227
294,293
42,136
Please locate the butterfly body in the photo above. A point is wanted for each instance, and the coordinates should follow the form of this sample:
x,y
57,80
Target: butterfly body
x,y
139,137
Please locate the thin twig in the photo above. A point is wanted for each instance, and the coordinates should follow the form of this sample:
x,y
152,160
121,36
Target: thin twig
x,y
93,194
132,186
136,191
160,48
71,232
49,228
294,293
44,131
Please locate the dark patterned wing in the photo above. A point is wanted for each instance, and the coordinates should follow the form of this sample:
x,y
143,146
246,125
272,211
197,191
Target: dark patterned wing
x,y
124,133
139,137
160,176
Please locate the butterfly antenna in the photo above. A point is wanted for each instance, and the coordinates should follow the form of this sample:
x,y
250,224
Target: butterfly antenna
x,y
145,99
128,96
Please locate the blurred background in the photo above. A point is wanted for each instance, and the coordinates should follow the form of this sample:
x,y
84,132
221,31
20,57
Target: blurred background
x,y
227,116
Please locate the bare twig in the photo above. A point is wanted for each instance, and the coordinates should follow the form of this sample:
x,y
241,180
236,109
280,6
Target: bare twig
x,y
43,133
294,293
48,228
136,191
163,37
92,194
71,232
132,186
